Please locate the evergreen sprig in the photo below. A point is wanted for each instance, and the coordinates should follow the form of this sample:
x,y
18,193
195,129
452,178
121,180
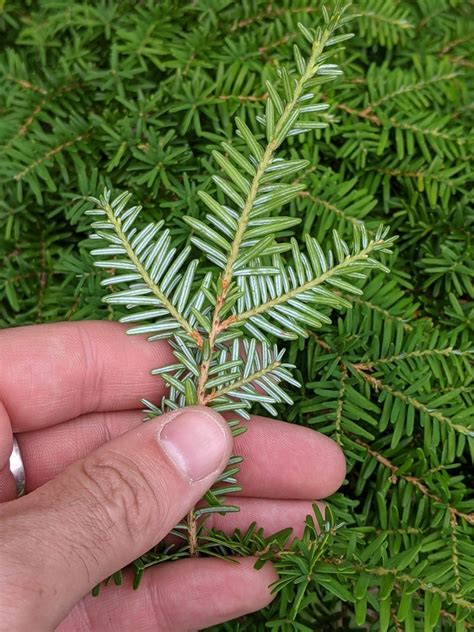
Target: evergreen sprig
x,y
219,322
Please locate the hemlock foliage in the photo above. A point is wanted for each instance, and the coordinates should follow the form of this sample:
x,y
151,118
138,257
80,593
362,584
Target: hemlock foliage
x,y
138,96
220,323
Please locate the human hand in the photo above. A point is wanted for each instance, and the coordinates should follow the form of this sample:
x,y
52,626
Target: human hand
x,y
103,488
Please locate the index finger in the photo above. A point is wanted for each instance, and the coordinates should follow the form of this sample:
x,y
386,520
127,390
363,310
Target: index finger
x,y
56,372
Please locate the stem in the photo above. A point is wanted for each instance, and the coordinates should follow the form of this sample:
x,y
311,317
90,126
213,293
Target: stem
x,y
226,279
192,533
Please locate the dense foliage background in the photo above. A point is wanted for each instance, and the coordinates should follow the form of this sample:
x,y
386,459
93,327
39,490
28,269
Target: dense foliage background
x,y
135,95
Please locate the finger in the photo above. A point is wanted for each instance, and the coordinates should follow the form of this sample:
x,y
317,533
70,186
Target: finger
x,y
51,373
46,453
105,510
177,597
6,436
7,485
282,460
49,451
270,515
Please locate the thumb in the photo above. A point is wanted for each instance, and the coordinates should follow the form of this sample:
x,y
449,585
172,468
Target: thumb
x,y
104,511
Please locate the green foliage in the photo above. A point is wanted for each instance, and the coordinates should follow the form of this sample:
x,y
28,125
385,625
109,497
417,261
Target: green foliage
x,y
136,96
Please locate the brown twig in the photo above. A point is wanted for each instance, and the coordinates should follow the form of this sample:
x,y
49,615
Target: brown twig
x,y
52,152
412,480
27,85
378,385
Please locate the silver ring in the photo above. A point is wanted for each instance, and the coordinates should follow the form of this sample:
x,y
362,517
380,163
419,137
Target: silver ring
x,y
17,469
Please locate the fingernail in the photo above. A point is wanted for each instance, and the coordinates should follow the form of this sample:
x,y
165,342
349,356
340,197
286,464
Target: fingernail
x,y
196,441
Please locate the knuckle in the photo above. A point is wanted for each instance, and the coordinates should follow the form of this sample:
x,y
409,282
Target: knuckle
x,y
121,493
91,368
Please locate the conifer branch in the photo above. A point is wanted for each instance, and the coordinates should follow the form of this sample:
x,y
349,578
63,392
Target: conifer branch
x,y
348,263
393,21
27,85
243,382
412,87
455,551
412,480
333,208
417,353
401,578
143,272
276,134
49,154
340,404
359,300
274,142
377,384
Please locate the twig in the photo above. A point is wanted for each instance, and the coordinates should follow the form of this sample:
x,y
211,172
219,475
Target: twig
x,y
412,480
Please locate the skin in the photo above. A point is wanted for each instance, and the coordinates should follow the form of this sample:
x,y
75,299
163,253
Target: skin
x,y
101,490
